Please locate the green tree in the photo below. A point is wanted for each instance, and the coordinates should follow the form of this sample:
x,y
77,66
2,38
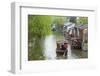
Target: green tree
x,y
59,23
59,20
72,19
38,28
82,20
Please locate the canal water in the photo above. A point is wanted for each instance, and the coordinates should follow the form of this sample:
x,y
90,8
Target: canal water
x,y
50,47
50,50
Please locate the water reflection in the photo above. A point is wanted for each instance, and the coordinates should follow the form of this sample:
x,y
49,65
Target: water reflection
x,y
50,47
